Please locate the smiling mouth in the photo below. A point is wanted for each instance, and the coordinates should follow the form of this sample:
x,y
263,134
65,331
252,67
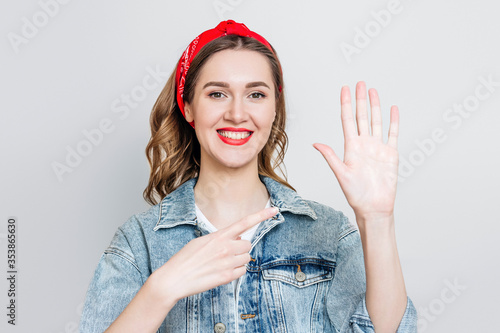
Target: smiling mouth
x,y
235,135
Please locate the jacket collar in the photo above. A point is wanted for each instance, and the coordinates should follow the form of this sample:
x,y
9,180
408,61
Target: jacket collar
x,y
179,208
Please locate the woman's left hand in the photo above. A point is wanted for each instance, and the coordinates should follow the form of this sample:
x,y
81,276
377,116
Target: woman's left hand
x,y
368,174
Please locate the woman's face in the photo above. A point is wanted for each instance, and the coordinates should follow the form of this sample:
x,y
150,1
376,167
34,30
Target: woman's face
x,y
233,108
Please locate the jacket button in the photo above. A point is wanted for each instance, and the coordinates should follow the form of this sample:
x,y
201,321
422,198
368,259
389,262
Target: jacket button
x,y
300,276
220,328
197,232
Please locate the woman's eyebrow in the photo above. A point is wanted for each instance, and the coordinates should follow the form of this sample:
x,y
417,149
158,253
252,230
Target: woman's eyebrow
x,y
216,84
226,85
256,84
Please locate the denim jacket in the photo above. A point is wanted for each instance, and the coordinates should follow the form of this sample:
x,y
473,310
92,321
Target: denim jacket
x,y
307,272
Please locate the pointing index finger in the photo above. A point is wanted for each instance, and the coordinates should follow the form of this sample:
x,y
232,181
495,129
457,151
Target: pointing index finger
x,y
236,229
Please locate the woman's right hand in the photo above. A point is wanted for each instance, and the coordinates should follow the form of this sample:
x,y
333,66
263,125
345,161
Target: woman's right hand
x,y
208,261
202,264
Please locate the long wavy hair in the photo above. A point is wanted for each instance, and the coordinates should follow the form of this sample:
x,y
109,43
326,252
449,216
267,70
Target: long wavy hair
x,y
173,150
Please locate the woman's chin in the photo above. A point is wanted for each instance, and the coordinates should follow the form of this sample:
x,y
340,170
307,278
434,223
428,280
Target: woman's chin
x,y
237,162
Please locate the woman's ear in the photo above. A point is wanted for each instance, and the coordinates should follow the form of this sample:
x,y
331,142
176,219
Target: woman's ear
x,y
188,113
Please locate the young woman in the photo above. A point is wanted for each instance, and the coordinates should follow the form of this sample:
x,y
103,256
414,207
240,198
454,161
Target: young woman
x,y
229,246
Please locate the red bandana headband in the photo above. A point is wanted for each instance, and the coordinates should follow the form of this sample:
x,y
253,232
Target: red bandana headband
x,y
224,28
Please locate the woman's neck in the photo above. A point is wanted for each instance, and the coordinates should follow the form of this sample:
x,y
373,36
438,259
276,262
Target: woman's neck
x,y
226,196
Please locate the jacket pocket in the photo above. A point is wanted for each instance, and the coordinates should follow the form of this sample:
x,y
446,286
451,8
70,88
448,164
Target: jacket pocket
x,y
294,293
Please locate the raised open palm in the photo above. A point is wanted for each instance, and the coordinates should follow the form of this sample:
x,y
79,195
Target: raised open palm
x,y
368,174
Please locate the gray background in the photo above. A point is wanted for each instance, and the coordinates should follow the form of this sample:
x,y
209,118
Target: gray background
x,y
71,74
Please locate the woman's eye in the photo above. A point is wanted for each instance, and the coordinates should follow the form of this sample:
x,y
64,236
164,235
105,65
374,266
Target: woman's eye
x,y
257,95
216,94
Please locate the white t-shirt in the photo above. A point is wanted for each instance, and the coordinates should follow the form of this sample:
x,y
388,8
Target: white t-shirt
x,y
211,228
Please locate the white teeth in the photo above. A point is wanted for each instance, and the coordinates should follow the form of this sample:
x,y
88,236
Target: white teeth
x,y
234,135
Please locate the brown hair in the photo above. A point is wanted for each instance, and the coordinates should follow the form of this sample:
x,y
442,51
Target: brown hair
x,y
173,151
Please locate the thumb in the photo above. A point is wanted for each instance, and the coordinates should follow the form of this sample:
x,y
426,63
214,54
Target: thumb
x,y
331,158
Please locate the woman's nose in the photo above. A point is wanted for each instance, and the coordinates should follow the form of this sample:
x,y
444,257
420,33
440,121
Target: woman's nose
x,y
236,111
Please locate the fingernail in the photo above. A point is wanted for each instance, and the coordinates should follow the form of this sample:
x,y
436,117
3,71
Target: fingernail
x,y
274,210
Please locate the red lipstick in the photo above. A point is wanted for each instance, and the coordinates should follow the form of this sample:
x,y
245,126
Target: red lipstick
x,y
234,142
